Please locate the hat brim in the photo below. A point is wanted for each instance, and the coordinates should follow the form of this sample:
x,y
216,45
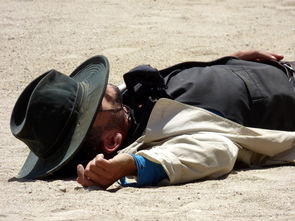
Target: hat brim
x,y
92,77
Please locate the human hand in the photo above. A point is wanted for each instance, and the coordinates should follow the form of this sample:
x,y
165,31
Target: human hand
x,y
256,55
103,173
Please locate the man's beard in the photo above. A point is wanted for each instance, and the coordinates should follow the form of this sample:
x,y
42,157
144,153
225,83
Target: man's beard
x,y
93,141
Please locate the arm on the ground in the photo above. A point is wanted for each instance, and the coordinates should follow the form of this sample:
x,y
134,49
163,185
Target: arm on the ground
x,y
104,172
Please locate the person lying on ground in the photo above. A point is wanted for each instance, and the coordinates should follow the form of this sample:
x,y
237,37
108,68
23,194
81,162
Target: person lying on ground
x,y
191,121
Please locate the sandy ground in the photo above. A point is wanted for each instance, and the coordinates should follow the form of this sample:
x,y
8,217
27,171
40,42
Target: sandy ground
x,y
39,35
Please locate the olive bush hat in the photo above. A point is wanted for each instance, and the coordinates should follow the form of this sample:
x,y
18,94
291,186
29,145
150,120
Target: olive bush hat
x,y
54,113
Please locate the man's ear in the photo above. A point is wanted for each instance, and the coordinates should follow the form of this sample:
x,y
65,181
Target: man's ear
x,y
112,141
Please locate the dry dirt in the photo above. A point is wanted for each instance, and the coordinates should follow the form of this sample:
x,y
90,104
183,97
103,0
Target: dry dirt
x,y
37,35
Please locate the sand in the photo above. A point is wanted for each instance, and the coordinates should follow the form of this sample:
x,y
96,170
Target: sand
x,y
36,36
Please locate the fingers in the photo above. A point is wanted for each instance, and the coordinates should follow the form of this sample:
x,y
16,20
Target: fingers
x,y
98,179
102,172
264,56
98,172
99,169
98,164
256,55
101,162
82,179
80,173
277,57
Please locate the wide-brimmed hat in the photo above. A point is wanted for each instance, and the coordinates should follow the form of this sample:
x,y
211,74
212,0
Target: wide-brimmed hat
x,y
54,113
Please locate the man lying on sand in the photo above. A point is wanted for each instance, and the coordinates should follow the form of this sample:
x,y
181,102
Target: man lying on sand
x,y
191,121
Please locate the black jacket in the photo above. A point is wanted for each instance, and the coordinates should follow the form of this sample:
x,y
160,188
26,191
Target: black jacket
x,y
250,93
